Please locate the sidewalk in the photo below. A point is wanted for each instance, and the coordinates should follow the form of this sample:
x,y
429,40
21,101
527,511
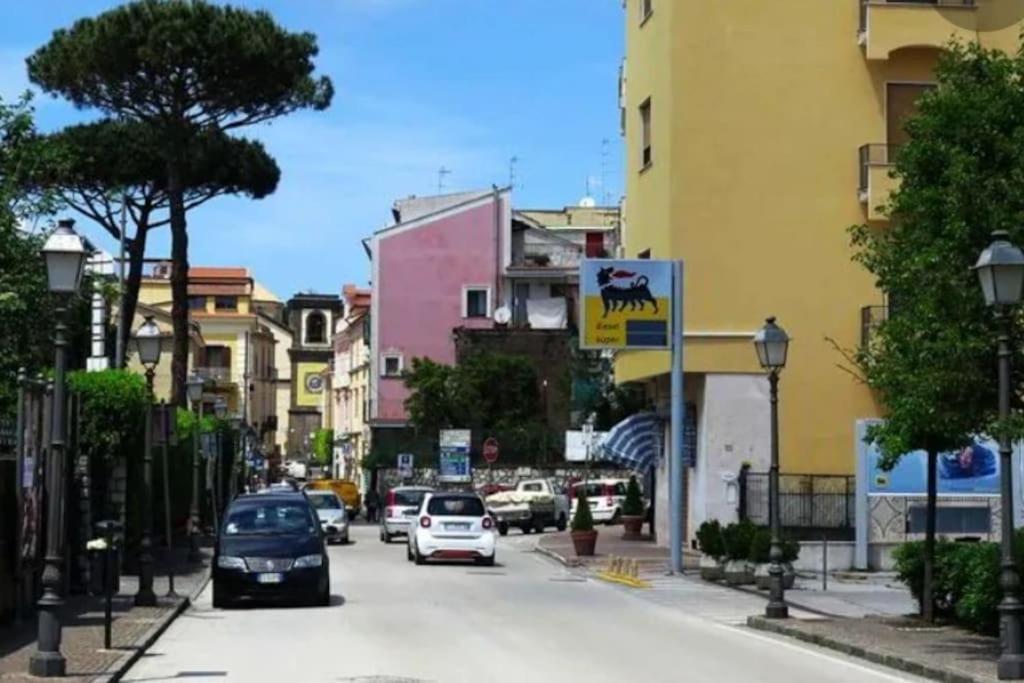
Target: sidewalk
x,y
651,558
133,628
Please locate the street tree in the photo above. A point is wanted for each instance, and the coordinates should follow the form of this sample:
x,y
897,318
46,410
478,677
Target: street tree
x,y
112,172
932,361
185,68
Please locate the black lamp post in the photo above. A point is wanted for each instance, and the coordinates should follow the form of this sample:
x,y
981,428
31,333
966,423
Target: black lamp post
x,y
772,343
65,255
236,422
194,387
148,341
1000,271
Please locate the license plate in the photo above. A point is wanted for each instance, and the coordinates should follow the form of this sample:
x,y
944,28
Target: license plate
x,y
457,526
273,577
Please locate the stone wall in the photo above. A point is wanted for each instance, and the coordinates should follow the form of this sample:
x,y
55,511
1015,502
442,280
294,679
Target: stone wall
x,y
507,476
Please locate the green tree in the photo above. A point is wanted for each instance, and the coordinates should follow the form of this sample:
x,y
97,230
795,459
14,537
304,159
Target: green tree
x,y
323,446
112,169
932,362
185,68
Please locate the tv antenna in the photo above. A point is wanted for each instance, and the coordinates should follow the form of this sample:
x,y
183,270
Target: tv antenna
x,y
441,173
605,195
512,162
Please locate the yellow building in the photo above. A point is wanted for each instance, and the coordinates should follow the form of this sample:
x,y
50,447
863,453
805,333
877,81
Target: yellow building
x,y
756,133
162,371
237,358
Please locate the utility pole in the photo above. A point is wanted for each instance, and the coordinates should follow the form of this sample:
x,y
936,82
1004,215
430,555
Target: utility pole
x,y
441,173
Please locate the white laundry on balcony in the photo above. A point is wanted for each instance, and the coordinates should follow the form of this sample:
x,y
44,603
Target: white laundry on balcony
x,y
547,314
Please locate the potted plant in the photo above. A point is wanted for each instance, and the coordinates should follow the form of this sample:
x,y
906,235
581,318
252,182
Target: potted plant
x,y
709,541
632,511
584,535
790,551
760,556
737,538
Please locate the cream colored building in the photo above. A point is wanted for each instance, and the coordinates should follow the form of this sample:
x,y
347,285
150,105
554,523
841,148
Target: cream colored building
x,y
349,384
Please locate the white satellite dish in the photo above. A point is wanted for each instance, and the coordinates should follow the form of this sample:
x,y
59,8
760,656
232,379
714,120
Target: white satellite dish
x,y
502,315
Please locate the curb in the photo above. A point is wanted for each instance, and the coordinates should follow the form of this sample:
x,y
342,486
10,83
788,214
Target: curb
x,y
556,557
893,661
119,668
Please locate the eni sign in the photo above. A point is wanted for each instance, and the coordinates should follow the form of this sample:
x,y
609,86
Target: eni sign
x,y
626,304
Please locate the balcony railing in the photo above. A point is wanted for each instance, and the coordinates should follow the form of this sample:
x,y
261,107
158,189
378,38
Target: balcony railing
x,y
874,163
215,374
870,318
899,24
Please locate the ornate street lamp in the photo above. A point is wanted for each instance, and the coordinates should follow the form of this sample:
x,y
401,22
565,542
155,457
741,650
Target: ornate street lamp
x,y
65,255
194,387
772,344
1000,271
148,341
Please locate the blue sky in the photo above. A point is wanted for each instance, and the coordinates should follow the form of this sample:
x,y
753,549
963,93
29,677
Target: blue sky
x,y
420,84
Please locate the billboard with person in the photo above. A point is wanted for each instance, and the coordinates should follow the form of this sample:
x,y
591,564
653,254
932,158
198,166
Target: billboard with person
x,y
973,469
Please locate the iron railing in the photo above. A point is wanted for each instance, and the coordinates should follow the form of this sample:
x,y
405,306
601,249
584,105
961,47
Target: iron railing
x,y
216,374
806,501
874,154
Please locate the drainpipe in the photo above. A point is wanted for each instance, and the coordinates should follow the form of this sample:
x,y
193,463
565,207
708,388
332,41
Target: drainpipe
x,y
497,250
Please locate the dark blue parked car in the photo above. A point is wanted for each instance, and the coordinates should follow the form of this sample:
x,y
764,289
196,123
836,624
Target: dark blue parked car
x,y
271,546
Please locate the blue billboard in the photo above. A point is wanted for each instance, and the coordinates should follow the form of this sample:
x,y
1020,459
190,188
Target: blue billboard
x,y
973,469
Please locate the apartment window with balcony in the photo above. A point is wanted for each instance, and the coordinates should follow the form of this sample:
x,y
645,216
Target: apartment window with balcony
x,y
901,103
197,303
226,303
645,134
476,302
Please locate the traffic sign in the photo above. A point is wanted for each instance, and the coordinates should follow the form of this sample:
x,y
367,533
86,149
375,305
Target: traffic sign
x,y
405,461
491,450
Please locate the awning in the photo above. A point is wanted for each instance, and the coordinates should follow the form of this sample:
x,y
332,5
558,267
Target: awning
x,y
633,443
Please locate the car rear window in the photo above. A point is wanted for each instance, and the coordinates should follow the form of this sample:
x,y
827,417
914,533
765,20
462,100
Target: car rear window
x,y
322,501
410,498
455,506
270,518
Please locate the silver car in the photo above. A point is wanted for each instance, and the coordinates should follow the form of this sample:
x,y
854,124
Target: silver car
x,y
400,505
331,511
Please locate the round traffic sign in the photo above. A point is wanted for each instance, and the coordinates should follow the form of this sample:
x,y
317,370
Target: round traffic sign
x,y
491,450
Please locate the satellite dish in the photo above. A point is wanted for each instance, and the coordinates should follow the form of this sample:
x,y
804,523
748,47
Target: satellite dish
x,y
502,315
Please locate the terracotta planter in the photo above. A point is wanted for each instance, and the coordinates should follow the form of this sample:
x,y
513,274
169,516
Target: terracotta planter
x,y
711,569
632,525
584,542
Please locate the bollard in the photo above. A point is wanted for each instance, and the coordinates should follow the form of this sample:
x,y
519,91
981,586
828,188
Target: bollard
x,y
634,569
108,528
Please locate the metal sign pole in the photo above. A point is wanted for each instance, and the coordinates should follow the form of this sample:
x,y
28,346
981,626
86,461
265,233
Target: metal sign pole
x,y
676,464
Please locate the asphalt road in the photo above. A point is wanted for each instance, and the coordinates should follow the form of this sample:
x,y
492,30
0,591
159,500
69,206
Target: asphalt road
x,y
526,620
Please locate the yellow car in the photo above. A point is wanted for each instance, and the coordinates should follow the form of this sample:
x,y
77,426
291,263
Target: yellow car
x,y
346,490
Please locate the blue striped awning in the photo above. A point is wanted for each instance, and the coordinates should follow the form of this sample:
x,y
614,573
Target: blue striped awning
x,y
633,443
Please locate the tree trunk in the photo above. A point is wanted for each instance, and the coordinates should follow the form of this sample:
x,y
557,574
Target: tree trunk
x,y
928,589
136,254
179,284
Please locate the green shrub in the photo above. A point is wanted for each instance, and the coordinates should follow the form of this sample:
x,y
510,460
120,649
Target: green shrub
x,y
113,407
633,505
709,539
737,538
582,520
760,546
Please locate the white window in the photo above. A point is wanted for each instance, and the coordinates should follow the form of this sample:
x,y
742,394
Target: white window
x,y
391,365
476,302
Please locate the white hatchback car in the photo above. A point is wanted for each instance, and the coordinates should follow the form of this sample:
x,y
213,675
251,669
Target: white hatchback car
x,y
452,526
606,497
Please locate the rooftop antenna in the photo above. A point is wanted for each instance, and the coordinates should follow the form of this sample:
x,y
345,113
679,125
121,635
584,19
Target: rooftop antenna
x,y
441,173
605,195
512,171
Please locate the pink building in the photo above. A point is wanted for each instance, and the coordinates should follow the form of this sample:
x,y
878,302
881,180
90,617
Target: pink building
x,y
440,267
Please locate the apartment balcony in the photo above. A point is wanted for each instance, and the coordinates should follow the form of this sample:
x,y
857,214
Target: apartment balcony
x,y
870,318
890,25
217,375
876,184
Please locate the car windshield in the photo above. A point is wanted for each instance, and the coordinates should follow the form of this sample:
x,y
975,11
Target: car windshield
x,y
413,498
325,502
455,506
269,518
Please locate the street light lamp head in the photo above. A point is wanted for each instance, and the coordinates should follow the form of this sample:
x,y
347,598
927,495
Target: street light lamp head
x,y
772,344
236,421
1000,271
65,255
148,340
220,408
194,386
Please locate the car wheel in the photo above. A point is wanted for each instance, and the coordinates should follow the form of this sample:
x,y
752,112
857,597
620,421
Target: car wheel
x,y
408,553
562,522
419,558
485,561
503,528
387,537
538,525
526,528
221,599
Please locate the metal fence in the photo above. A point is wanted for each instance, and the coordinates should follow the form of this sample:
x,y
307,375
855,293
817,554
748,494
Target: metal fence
x,y
807,502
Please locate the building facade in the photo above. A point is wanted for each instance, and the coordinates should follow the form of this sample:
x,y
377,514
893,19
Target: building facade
x,y
349,386
312,319
756,134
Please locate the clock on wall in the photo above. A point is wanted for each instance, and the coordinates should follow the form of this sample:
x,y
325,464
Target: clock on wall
x,y
314,383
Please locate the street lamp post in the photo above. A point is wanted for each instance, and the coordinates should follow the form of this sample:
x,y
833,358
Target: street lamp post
x,y
65,255
220,410
1000,271
147,341
772,344
236,423
194,386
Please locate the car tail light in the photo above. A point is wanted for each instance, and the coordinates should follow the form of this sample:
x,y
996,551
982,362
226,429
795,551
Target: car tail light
x,y
389,500
487,523
609,501
425,522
